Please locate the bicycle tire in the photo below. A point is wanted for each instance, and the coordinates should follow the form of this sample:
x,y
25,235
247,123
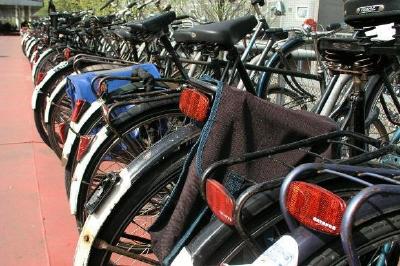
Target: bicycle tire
x,y
104,148
382,229
125,211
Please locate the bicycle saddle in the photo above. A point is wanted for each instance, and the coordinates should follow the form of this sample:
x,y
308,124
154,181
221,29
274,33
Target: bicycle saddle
x,y
226,33
365,13
153,24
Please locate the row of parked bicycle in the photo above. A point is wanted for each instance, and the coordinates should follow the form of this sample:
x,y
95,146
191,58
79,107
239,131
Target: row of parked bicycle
x,y
188,143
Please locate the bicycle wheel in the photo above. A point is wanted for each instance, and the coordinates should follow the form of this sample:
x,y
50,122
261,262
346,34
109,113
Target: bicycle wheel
x,y
286,98
58,122
127,226
89,128
300,58
117,152
38,112
369,237
48,62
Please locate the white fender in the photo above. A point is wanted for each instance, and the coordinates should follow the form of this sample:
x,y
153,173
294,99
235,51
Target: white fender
x,y
24,38
31,45
76,127
49,74
33,57
80,169
96,220
35,65
27,46
59,89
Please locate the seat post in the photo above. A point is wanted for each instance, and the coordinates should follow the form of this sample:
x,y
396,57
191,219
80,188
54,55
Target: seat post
x,y
168,46
233,53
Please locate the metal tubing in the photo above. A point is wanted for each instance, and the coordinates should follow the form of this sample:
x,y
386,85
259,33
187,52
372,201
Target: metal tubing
x,y
350,214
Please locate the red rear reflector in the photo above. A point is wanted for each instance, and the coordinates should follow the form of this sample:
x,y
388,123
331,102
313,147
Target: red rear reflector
x,y
219,201
40,77
315,207
78,110
63,132
67,53
194,104
84,144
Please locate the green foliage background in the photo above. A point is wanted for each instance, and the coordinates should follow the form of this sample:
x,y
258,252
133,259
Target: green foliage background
x,y
209,10
78,5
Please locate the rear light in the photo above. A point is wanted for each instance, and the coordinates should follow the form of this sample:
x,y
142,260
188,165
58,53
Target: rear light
x,y
67,53
40,77
194,104
315,207
63,132
79,108
220,202
84,144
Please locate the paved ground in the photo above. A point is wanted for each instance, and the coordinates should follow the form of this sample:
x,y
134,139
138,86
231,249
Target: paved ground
x,y
35,225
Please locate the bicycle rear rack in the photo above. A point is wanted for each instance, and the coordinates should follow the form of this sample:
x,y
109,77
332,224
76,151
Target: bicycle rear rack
x,y
355,174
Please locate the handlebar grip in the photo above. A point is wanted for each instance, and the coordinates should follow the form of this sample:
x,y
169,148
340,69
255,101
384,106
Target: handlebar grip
x,y
106,4
182,17
333,26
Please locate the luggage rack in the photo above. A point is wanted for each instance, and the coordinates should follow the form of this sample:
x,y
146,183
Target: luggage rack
x,y
80,61
301,145
386,185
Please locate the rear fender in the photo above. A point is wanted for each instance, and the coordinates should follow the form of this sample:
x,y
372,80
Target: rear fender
x,y
54,95
100,138
51,74
42,55
74,128
129,176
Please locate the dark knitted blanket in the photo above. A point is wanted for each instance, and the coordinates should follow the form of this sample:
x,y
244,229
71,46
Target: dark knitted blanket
x,y
238,123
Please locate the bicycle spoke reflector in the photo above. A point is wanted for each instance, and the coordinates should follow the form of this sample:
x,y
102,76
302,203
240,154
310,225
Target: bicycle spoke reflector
x,y
194,104
315,207
220,202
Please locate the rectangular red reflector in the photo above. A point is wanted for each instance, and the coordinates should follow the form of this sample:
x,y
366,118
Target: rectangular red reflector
x,y
79,108
84,144
220,202
194,104
315,207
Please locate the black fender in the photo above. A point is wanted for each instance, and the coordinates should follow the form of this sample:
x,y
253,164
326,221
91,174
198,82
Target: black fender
x,y
274,61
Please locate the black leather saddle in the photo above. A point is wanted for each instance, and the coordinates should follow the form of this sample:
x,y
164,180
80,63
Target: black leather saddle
x,y
154,24
226,33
